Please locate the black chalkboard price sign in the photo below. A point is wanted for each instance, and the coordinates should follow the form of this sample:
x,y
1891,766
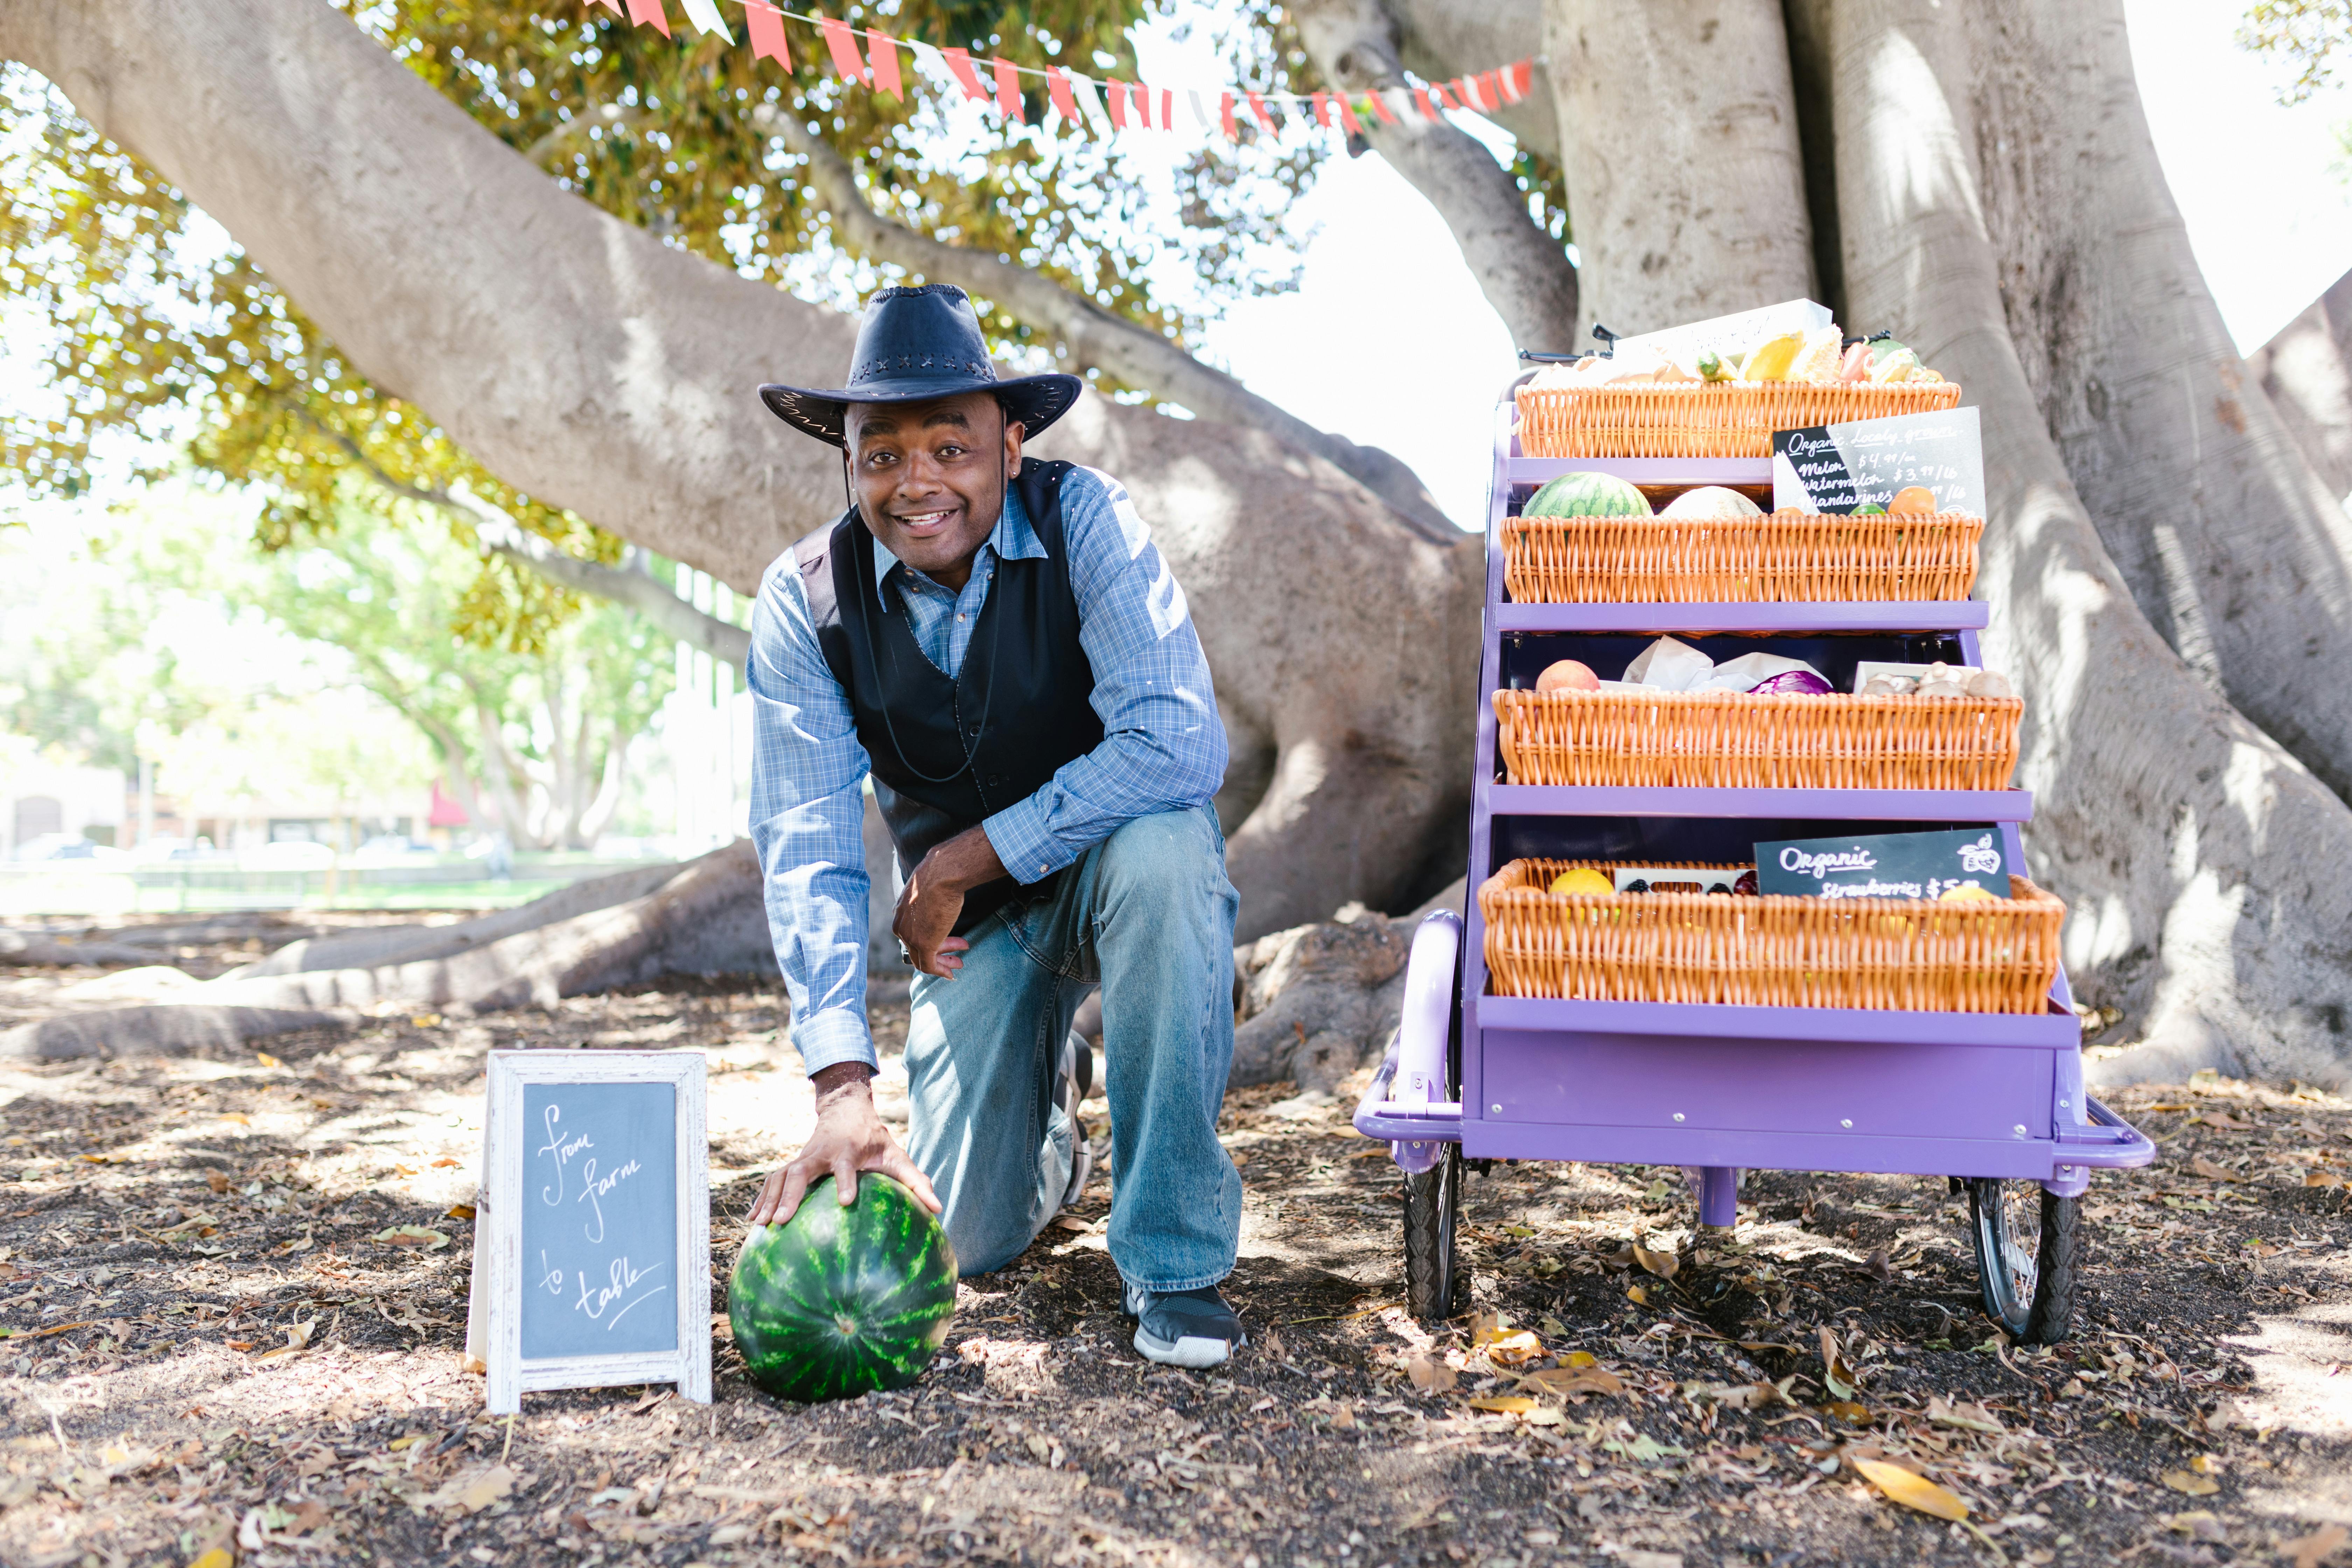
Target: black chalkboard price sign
x,y
1840,468
592,1243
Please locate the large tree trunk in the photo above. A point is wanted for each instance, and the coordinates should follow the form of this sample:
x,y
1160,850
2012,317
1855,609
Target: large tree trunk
x,y
2237,552
2306,372
2202,864
596,368
1522,270
1678,138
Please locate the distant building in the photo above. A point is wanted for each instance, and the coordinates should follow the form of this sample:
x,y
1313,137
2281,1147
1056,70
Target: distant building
x,y
39,799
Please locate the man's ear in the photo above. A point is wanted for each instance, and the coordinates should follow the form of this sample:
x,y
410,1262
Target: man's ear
x,y
1013,432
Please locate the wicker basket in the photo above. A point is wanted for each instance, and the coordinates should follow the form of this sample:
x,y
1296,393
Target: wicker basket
x,y
1983,955
1782,558
1738,740
1704,419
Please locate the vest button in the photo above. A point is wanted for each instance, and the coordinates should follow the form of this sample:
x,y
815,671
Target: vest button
x,y
995,780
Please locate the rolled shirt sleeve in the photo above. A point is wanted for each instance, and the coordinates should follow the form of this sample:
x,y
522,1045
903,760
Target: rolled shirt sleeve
x,y
808,812
1164,745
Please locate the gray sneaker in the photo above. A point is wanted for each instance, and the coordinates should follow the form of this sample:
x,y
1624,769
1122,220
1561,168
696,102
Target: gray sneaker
x,y
1183,1327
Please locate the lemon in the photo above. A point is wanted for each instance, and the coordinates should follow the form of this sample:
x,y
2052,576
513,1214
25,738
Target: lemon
x,y
1965,891
1582,880
1770,360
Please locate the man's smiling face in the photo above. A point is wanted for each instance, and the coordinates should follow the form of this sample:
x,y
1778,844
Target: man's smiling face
x,y
931,477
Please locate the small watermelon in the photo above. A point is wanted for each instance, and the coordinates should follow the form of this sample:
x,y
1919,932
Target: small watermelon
x,y
1587,495
836,1302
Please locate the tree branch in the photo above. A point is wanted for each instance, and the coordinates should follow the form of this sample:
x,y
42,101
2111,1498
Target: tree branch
x,y
1094,337
1522,271
631,586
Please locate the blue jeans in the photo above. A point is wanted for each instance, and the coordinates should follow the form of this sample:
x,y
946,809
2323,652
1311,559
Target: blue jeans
x,y
1149,913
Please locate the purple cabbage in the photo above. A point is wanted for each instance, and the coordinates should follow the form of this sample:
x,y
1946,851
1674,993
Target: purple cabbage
x,y
1800,682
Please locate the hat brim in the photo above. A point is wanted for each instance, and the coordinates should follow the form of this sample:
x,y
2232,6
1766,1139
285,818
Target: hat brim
x,y
1032,402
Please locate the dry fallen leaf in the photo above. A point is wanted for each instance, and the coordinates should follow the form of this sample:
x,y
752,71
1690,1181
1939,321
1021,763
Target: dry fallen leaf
x,y
1072,1222
216,1180
266,1059
2212,1171
2204,1526
1847,1410
2310,1550
2323,1179
472,1494
1911,1491
1513,1349
1836,1375
1970,1417
1487,1327
1636,1294
1565,1381
217,1557
458,1210
1661,1264
447,1160
412,1236
239,1117
1636,1557
1504,1403
2190,1483
1573,1358
424,1020
1431,1375
298,1340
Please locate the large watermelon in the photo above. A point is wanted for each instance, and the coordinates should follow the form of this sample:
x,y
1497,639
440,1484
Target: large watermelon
x,y
836,1302
1587,495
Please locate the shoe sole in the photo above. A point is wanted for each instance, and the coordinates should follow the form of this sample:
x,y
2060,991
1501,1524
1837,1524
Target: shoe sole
x,y
1192,1352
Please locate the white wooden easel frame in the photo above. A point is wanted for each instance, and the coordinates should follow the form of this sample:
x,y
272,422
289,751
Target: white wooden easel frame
x,y
494,1314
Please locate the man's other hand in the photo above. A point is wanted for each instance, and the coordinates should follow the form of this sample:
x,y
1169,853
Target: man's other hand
x,y
933,898
848,1138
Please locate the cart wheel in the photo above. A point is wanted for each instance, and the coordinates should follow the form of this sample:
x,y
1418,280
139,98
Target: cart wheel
x,y
2027,1251
1434,1288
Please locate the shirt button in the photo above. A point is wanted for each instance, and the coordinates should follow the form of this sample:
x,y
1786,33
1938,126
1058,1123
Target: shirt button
x,y
959,617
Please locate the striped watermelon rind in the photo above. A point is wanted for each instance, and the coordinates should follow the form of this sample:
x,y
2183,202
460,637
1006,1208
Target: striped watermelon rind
x,y
1587,495
840,1302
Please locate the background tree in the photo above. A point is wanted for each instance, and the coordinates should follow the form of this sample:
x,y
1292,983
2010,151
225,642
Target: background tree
x,y
2169,580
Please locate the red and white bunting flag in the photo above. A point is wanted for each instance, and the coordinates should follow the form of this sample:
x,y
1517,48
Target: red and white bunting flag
x,y
1264,118
765,24
1166,108
1200,110
1490,88
1008,91
842,43
1057,88
612,6
1090,103
1144,106
1355,127
1382,106
704,15
1518,80
1322,109
1118,104
1444,98
641,12
960,62
1225,116
882,55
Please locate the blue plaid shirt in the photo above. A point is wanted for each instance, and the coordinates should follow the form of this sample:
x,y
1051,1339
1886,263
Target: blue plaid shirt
x,y
1163,746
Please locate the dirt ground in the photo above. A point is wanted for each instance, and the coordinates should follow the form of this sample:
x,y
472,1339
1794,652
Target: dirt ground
x,y
212,1347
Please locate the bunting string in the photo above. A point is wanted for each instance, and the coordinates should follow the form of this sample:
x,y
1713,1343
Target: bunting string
x,y
1104,107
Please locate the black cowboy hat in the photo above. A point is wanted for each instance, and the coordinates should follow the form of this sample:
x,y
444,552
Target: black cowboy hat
x,y
916,344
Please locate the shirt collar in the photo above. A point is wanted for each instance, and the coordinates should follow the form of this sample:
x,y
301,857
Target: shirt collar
x,y
1012,539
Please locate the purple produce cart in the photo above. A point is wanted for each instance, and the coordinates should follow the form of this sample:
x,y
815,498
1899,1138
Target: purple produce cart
x,y
1993,1101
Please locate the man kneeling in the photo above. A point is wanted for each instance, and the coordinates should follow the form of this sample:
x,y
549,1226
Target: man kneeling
x,y
999,646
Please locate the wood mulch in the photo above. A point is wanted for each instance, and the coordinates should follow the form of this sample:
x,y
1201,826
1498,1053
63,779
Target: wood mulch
x,y
219,1341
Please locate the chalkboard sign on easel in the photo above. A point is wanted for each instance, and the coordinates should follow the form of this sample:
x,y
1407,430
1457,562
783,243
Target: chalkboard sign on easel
x,y
592,1246
1834,469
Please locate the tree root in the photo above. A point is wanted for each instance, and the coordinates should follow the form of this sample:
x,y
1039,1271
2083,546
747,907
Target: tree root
x,y
703,917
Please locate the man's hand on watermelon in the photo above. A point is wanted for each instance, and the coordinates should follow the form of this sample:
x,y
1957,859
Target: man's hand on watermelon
x,y
933,898
848,1138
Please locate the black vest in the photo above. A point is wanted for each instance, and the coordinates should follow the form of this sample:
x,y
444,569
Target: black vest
x,y
948,753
